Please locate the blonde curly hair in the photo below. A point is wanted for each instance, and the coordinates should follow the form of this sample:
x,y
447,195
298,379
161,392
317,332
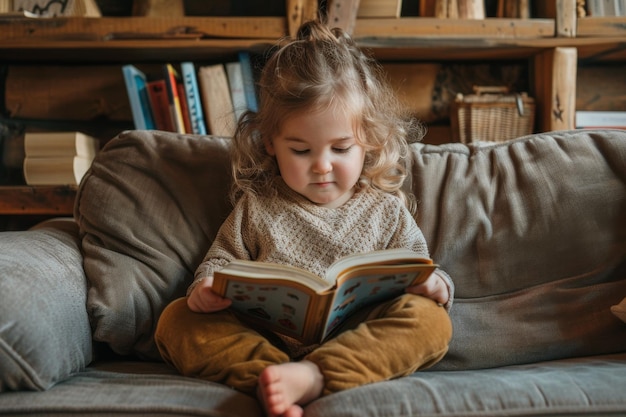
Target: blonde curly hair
x,y
321,68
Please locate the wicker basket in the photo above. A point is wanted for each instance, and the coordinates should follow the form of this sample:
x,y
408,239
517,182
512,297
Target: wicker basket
x,y
492,114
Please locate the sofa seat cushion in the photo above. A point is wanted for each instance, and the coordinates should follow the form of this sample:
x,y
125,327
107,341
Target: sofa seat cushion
x,y
591,386
131,389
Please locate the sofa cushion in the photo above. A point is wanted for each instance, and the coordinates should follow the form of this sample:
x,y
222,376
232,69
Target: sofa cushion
x,y
44,330
581,387
533,232
131,389
147,209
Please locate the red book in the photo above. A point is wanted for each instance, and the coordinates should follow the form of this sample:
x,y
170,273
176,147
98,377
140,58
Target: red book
x,y
157,91
184,107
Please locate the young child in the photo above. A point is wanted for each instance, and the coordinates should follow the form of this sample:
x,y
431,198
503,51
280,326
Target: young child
x,y
317,176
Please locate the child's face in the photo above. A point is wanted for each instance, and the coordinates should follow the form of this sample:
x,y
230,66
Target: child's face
x,y
318,156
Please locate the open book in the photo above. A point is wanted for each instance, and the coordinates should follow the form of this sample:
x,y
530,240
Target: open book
x,y
299,304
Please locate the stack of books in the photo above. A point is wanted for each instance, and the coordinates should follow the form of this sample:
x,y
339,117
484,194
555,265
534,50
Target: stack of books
x,y
57,158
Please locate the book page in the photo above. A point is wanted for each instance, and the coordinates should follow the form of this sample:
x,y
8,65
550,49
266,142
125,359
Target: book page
x,y
280,307
386,256
371,287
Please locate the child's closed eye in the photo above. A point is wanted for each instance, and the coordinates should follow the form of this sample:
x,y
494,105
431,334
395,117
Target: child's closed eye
x,y
342,150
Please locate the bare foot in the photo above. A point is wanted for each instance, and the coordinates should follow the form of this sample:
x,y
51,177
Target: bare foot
x,y
284,388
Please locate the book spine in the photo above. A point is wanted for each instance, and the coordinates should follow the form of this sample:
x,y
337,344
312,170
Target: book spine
x,y
170,76
136,84
601,119
55,144
157,91
196,113
55,170
218,106
249,85
318,317
237,92
184,108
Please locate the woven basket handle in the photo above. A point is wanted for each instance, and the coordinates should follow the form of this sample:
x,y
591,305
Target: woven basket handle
x,y
490,89
496,89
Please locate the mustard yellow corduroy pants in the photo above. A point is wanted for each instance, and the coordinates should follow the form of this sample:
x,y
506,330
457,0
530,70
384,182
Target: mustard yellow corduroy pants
x,y
396,338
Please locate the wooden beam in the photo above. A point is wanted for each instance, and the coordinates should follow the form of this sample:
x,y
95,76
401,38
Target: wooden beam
x,y
342,13
566,17
311,10
295,15
554,85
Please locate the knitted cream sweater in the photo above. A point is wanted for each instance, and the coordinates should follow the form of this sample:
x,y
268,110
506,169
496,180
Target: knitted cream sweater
x,y
289,229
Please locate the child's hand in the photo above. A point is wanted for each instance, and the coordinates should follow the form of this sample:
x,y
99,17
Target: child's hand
x,y
434,288
203,300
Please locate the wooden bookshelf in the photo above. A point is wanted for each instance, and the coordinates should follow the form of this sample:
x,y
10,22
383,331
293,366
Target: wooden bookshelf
x,y
557,35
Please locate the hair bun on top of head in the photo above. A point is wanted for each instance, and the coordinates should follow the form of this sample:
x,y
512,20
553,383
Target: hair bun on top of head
x,y
315,30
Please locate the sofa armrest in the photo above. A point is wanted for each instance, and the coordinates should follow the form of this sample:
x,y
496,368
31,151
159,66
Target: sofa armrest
x,y
44,329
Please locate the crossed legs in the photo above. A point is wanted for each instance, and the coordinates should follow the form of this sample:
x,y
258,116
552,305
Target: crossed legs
x,y
397,338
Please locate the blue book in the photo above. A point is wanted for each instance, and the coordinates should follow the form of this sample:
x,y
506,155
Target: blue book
x,y
136,87
192,95
249,85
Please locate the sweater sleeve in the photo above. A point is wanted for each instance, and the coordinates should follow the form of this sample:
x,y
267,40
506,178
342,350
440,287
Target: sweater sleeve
x,y
227,246
408,234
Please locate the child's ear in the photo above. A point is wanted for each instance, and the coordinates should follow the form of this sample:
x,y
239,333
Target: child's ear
x,y
269,146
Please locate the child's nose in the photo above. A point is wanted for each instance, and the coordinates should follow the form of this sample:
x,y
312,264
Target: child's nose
x,y
322,165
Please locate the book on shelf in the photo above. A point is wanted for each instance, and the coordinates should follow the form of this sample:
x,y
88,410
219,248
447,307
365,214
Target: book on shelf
x,y
516,9
56,144
216,101
184,107
379,8
235,83
586,119
136,88
170,75
453,9
249,79
427,8
59,170
192,93
160,105
603,8
299,304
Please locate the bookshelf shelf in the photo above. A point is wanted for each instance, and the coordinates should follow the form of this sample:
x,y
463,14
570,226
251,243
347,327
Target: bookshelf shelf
x,y
115,40
601,27
28,200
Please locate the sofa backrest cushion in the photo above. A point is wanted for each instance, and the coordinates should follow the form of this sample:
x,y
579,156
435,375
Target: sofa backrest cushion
x,y
533,233
148,210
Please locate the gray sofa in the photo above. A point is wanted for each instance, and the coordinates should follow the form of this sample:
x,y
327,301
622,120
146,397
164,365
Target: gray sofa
x,y
533,231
